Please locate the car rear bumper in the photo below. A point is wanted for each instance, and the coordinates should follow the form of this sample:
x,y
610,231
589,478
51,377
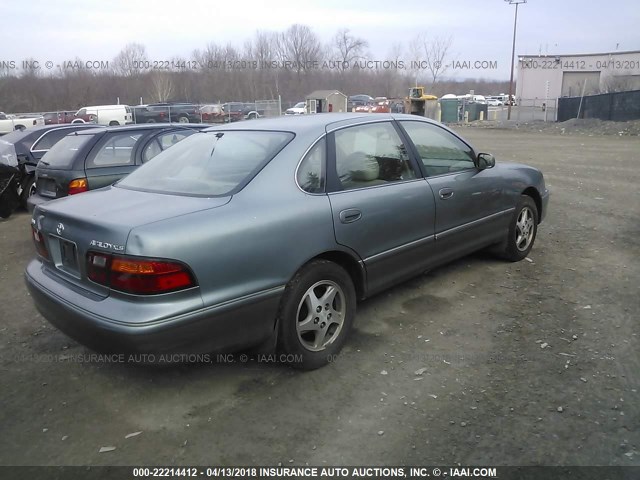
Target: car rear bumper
x,y
225,328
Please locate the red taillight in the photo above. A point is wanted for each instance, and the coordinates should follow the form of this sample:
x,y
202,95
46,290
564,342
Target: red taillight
x,y
38,240
138,276
78,185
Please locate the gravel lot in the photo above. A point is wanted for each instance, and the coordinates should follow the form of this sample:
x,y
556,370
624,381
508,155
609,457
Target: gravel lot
x,y
447,368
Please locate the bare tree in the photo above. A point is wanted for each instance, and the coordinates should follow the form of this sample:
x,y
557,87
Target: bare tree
x,y
301,46
71,88
31,68
393,80
264,51
130,60
348,48
161,86
430,54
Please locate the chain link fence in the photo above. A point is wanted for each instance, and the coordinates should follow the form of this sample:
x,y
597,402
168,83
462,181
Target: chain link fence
x,y
527,109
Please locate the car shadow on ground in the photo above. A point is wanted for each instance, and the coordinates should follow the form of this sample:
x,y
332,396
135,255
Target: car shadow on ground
x,y
263,359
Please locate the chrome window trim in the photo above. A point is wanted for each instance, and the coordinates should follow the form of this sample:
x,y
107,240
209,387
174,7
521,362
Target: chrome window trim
x,y
365,122
457,172
388,184
41,136
302,158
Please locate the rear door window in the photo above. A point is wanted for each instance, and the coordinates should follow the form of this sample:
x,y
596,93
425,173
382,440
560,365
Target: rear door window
x,y
63,153
369,155
117,150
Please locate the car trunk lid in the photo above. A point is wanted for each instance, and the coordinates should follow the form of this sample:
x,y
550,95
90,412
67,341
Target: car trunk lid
x,y
101,221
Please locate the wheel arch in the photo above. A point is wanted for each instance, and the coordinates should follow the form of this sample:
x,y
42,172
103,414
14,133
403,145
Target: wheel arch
x,y
535,195
353,267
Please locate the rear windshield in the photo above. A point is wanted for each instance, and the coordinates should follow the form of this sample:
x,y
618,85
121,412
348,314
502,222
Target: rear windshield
x,y
208,163
63,153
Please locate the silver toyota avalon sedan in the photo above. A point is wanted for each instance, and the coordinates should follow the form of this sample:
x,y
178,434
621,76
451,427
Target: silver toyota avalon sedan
x,y
269,232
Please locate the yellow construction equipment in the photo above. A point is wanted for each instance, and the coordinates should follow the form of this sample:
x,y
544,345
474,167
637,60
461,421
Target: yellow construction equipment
x,y
420,103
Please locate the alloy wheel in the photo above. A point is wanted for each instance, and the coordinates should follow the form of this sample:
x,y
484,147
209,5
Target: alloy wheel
x,y
524,229
320,315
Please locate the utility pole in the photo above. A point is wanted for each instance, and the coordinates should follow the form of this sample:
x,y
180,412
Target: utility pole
x,y
513,52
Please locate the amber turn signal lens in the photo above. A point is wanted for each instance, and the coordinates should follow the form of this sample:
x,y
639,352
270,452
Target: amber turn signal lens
x,y
78,185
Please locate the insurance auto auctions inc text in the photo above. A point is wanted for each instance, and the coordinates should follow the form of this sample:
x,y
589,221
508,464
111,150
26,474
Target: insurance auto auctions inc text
x,y
370,472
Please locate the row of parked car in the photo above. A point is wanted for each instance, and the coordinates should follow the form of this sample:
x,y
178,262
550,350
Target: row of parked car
x,y
358,104
52,161
113,115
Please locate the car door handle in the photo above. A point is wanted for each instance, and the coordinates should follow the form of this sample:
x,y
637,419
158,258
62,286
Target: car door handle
x,y
446,193
350,215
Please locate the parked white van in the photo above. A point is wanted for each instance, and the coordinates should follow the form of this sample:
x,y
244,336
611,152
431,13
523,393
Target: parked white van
x,y
105,115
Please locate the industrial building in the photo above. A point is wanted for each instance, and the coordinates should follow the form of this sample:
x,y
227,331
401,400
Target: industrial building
x,y
541,77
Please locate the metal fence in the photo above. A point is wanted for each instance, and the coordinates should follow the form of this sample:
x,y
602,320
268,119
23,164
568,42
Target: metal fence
x,y
269,108
616,106
527,109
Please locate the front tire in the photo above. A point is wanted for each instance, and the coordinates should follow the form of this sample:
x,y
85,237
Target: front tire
x,y
316,314
522,230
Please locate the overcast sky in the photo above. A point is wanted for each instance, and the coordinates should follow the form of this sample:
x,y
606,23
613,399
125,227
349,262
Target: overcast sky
x,y
60,30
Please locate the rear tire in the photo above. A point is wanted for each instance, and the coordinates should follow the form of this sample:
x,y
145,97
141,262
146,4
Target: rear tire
x,y
20,128
113,123
316,314
183,119
522,230
29,190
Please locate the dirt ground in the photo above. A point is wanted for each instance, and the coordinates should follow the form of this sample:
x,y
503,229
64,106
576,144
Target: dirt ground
x,y
448,368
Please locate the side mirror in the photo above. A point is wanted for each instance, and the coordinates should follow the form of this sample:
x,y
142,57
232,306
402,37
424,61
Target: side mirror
x,y
486,160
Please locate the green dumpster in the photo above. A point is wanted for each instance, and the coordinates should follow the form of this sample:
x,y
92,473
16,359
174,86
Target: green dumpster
x,y
474,110
449,110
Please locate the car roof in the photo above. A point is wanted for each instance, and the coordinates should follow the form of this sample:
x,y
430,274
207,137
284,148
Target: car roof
x,y
35,132
104,106
143,127
314,122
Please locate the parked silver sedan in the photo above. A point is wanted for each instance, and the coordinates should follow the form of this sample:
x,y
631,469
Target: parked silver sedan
x,y
270,231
